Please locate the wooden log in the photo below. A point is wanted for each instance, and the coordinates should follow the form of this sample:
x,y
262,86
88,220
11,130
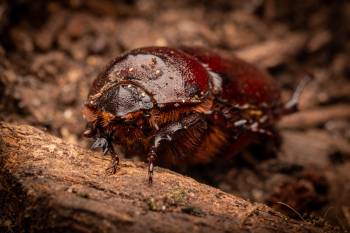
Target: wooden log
x,y
48,185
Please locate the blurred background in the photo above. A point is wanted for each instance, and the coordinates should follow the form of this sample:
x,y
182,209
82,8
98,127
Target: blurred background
x,y
51,51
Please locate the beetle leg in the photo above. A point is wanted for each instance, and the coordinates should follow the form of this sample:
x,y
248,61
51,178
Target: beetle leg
x,y
107,146
292,104
115,160
166,133
151,158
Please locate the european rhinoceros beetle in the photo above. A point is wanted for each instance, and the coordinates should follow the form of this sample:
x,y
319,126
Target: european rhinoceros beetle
x,y
184,105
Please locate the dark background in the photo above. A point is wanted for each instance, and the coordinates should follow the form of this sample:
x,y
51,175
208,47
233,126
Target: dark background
x,y
50,52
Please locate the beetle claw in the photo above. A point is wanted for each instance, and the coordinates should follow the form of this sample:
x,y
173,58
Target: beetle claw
x,y
105,150
113,168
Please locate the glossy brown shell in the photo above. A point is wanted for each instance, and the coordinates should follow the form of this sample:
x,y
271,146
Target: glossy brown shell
x,y
240,82
168,75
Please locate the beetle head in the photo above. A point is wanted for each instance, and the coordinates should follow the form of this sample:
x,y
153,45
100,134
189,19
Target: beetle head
x,y
120,103
123,99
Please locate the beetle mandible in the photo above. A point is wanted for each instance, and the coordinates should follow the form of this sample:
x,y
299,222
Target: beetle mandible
x,y
181,105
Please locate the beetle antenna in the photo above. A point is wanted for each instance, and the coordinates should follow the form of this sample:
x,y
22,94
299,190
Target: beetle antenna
x,y
292,104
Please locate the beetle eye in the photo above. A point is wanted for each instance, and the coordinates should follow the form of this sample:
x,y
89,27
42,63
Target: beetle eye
x,y
123,99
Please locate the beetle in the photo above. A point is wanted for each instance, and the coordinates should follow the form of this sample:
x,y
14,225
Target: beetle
x,y
181,105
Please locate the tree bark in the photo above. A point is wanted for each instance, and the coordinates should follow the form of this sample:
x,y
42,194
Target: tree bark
x,y
47,185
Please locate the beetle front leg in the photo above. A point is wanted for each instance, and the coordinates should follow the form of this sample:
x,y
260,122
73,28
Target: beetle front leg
x,y
115,160
107,147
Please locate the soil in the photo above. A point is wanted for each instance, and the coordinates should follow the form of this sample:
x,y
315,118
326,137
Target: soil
x,y
50,52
